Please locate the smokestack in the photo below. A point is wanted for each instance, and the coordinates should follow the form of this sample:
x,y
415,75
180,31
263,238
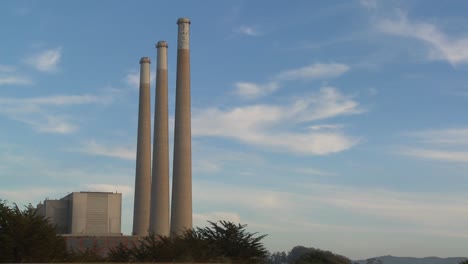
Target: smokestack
x,y
181,210
159,215
143,156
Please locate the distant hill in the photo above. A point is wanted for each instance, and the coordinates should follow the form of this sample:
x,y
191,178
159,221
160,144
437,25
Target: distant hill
x,y
408,260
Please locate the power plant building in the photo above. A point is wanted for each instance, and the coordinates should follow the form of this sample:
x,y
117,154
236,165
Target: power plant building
x,y
85,213
93,219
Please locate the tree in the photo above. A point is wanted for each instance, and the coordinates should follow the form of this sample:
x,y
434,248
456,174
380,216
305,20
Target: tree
x,y
318,256
278,258
375,261
121,253
219,242
28,237
232,241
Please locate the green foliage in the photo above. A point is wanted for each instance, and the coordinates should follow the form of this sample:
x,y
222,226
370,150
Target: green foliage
x,y
88,255
304,255
222,242
121,253
318,256
464,262
278,258
374,261
28,237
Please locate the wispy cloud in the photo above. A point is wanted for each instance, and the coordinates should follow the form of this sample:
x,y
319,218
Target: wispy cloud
x,y
264,125
314,171
200,219
96,149
8,76
449,145
125,190
46,61
132,79
436,154
252,90
315,71
6,68
14,80
248,31
442,47
423,213
369,4
48,123
34,111
55,100
452,136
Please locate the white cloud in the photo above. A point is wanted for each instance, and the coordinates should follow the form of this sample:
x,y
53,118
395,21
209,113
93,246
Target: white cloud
x,y
329,102
9,77
314,71
125,190
200,219
247,30
271,125
369,4
15,80
26,195
443,47
424,213
50,124
47,60
449,145
133,79
452,136
252,90
437,154
7,68
55,100
313,171
96,149
326,127
33,111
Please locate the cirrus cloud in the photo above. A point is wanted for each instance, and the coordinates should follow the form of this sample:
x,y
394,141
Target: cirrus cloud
x,y
273,125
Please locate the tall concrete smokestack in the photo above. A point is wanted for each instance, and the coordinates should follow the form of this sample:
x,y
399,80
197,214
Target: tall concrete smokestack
x,y
159,216
143,156
181,209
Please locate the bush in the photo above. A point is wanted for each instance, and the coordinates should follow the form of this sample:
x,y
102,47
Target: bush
x,y
28,237
219,242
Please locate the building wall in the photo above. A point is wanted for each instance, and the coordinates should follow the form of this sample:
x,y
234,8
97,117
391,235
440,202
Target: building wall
x,y
57,213
114,211
85,213
95,213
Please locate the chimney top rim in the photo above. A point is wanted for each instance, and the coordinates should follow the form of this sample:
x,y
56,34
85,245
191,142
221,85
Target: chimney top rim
x,y
161,43
184,20
145,60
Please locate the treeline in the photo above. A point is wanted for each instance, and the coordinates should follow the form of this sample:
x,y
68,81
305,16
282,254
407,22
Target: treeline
x,y
28,237
222,242
305,255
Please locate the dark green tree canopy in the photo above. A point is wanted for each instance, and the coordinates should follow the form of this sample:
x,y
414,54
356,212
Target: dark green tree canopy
x,y
28,237
219,242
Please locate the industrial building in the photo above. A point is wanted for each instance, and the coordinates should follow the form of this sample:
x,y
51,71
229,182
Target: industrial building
x,y
85,213
93,219
151,203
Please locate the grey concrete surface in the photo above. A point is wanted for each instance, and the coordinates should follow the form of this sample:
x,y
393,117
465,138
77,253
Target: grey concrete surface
x,y
159,213
181,208
141,209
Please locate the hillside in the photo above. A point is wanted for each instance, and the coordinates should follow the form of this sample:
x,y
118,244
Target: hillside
x,y
410,260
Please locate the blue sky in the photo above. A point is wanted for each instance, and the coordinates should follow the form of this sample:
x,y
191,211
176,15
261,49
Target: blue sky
x,y
334,124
